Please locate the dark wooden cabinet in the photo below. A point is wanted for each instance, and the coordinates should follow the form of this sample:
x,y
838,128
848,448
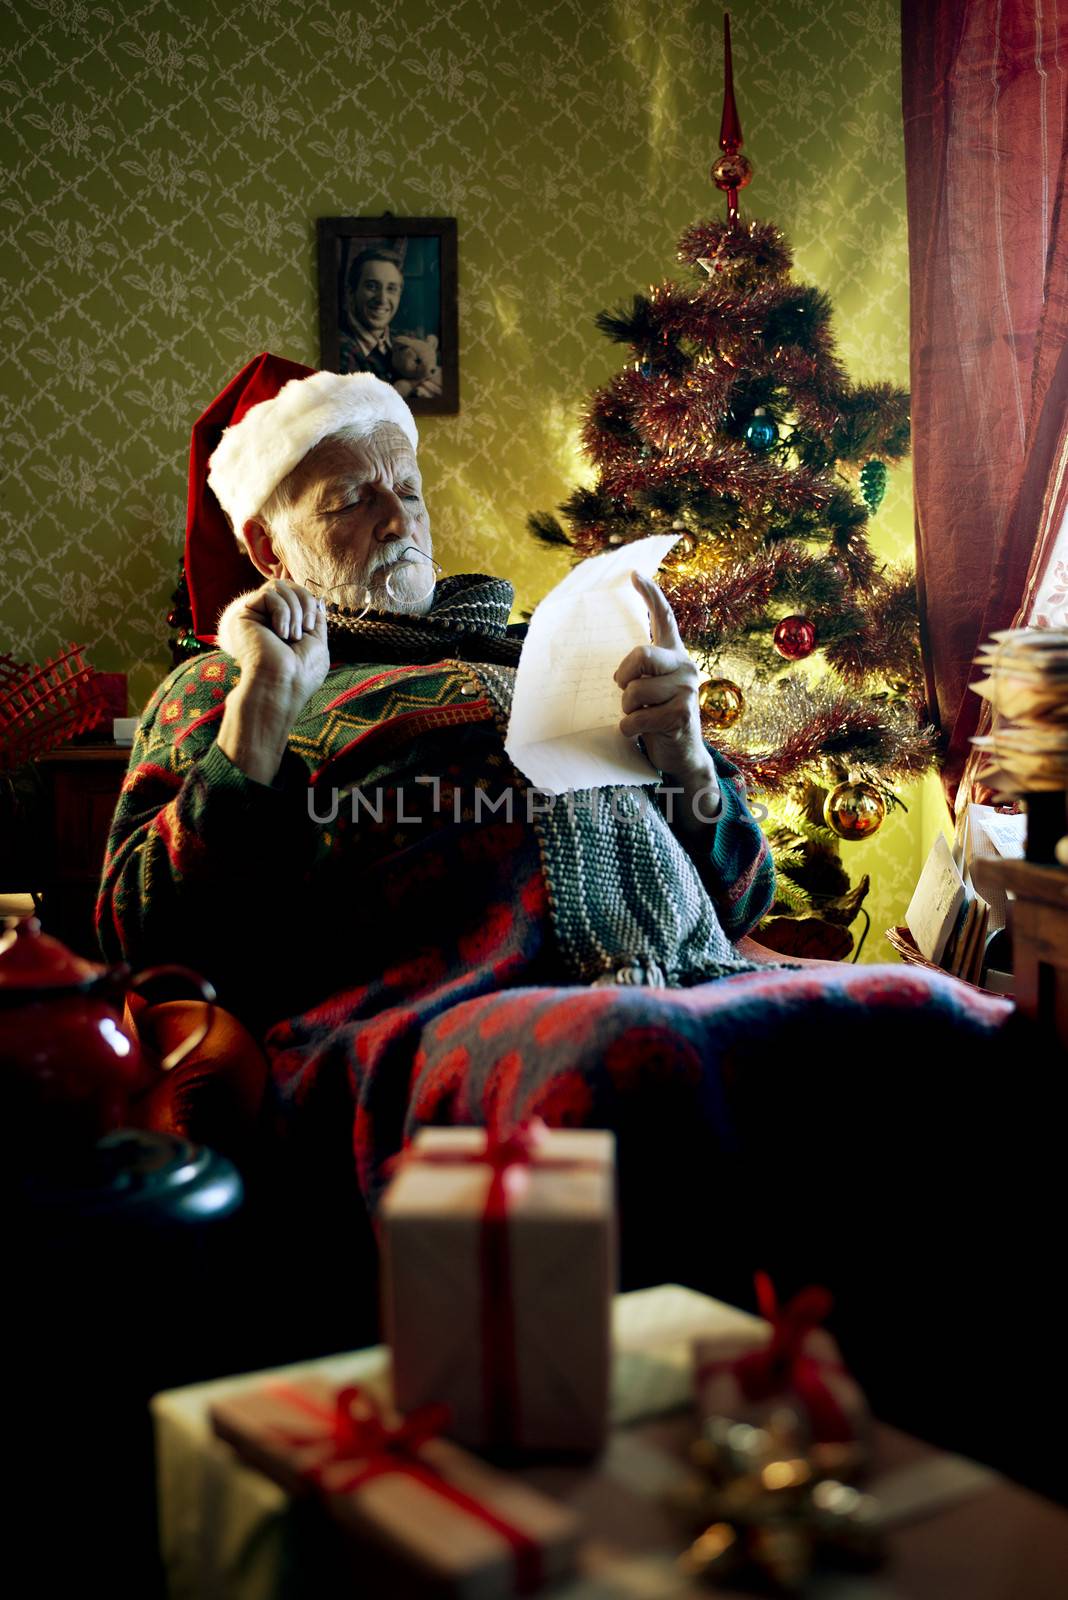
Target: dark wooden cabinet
x,y
1038,917
81,785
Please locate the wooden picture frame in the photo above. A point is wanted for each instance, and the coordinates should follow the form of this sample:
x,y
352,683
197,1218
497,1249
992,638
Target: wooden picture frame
x,y
388,305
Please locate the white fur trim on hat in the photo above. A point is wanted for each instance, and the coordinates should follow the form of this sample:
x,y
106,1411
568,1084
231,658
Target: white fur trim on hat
x,y
253,456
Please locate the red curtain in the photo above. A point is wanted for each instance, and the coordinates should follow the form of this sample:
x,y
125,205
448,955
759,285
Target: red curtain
x,y
985,100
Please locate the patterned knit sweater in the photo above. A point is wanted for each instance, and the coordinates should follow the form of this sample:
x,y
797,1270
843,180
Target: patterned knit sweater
x,y
381,843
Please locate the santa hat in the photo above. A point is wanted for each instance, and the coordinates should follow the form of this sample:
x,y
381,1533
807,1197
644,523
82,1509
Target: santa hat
x,y
252,436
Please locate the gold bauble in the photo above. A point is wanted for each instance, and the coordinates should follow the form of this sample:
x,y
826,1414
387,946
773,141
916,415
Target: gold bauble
x,y
721,702
685,547
854,810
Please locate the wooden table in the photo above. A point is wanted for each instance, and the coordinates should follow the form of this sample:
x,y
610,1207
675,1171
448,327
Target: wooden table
x,y
1038,919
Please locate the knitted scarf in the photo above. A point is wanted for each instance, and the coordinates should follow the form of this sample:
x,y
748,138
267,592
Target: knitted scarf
x,y
467,621
627,903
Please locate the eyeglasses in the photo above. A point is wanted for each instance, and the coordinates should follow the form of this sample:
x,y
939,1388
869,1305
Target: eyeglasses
x,y
410,556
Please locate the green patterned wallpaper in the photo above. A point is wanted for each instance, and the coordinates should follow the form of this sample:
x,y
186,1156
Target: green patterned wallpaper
x,y
164,163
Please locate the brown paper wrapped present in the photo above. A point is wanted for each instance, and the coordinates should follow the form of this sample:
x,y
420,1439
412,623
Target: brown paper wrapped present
x,y
427,1515
498,1273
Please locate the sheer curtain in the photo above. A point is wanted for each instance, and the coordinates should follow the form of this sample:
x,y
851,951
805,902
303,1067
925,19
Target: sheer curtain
x,y
985,100
1050,607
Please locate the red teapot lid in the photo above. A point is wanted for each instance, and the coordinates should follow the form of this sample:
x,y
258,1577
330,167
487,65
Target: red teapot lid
x,y
30,959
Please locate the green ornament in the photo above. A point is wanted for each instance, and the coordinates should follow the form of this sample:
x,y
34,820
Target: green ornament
x,y
873,477
761,433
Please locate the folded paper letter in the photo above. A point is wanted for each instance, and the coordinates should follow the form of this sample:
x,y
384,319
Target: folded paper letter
x,y
566,707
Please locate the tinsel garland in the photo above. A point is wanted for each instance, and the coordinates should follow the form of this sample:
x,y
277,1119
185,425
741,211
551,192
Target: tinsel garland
x,y
756,247
722,605
795,726
749,326
779,330
669,414
887,641
726,468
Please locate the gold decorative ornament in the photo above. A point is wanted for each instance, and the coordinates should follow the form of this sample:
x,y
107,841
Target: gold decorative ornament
x,y
721,702
854,810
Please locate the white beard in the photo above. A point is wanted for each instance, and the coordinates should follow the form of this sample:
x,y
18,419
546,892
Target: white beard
x,y
339,584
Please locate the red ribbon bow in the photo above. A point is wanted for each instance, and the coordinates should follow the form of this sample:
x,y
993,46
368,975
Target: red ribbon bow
x,y
783,1365
359,1434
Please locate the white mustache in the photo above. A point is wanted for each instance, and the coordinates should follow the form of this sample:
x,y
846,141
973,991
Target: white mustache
x,y
389,557
386,562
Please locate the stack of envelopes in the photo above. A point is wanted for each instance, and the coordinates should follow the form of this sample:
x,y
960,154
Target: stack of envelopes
x,y
1027,687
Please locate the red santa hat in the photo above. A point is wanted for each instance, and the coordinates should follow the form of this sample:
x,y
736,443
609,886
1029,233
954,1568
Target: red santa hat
x,y
251,437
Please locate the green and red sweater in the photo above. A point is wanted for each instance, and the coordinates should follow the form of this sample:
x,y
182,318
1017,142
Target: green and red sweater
x,y
284,900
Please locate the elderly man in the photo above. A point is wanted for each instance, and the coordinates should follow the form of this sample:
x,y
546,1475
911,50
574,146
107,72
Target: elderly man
x,y
314,818
349,669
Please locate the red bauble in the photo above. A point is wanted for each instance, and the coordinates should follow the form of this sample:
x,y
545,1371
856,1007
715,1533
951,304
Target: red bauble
x,y
732,170
794,638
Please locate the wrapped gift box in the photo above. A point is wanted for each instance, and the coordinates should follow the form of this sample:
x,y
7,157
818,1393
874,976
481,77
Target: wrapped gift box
x,y
497,1287
429,1516
829,1400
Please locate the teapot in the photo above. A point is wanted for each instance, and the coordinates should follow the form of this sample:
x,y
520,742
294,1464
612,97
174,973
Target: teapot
x,y
71,1070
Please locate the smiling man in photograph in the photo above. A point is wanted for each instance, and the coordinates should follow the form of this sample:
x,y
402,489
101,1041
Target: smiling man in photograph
x,y
375,287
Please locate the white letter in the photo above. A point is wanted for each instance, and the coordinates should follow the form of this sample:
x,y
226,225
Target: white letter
x,y
614,793
360,799
670,792
435,786
482,800
698,813
534,810
401,816
322,821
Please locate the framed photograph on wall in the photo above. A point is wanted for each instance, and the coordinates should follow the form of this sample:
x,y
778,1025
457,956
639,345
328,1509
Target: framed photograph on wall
x,y
387,305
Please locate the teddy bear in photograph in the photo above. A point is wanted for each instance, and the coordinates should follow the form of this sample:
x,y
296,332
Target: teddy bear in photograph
x,y
415,365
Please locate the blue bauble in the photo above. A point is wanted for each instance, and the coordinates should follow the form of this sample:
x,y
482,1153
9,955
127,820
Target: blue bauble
x,y
761,433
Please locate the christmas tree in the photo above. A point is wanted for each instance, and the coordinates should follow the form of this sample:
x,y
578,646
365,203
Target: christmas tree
x,y
734,424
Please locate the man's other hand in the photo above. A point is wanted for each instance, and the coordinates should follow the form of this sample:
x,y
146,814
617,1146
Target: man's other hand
x,y
660,684
277,636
